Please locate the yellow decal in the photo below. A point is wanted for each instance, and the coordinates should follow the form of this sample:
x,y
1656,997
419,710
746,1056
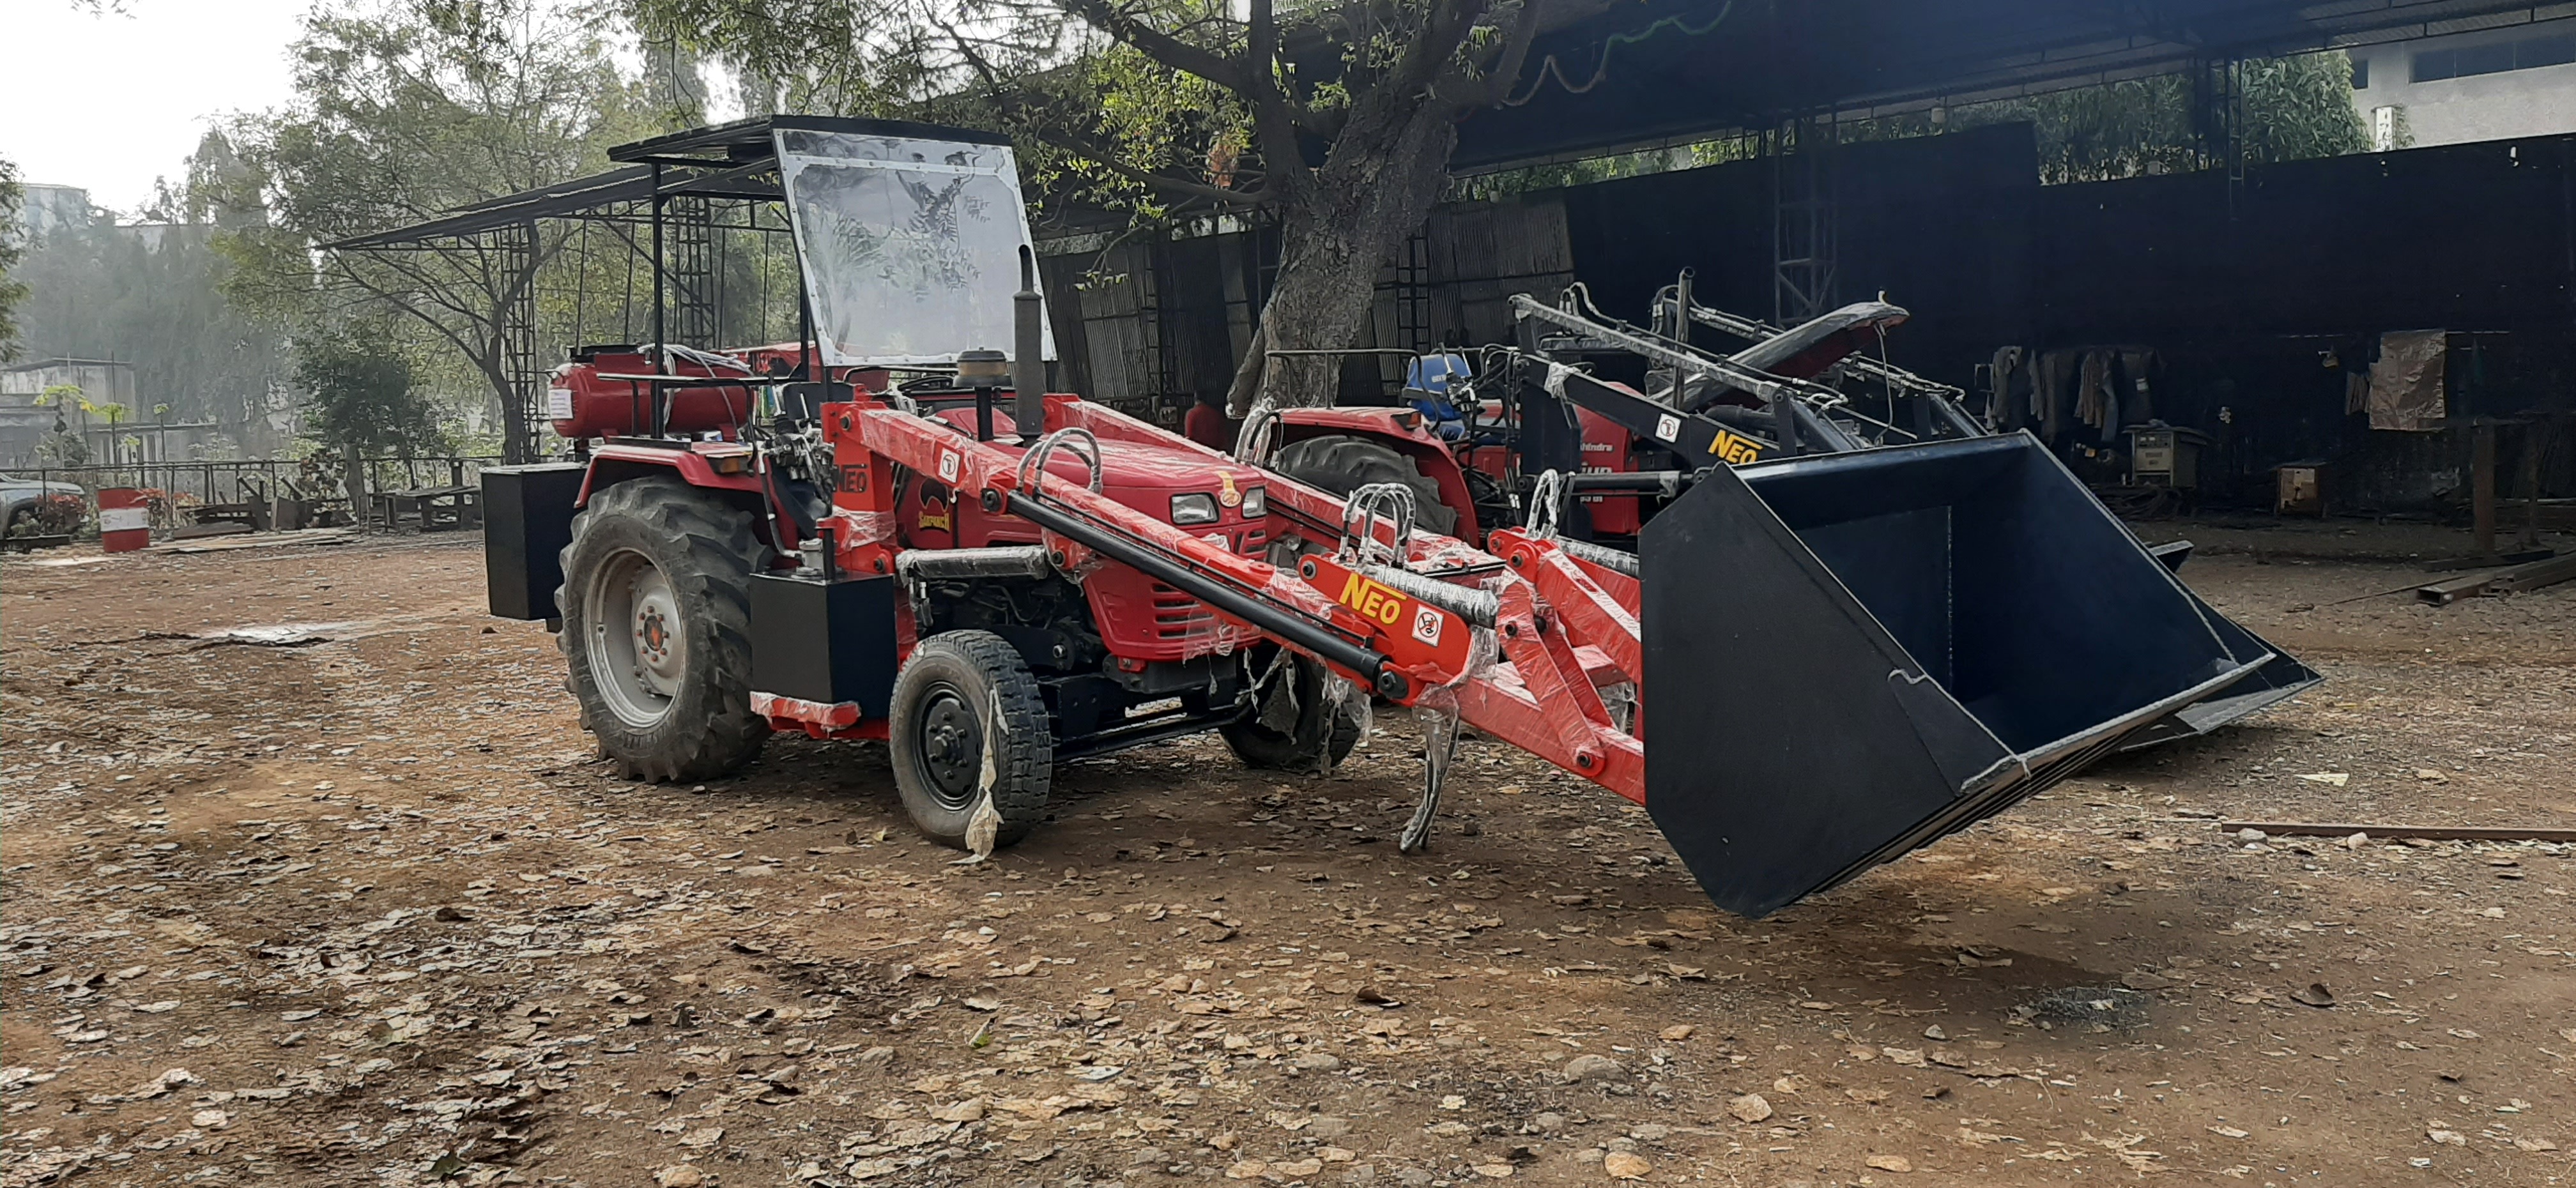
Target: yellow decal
x,y
1735,450
1225,492
935,517
1372,600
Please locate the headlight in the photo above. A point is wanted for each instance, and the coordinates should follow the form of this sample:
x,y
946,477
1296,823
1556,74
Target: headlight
x,y
1195,508
1256,502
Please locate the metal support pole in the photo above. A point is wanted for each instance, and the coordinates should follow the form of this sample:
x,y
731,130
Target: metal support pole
x,y
2482,487
661,342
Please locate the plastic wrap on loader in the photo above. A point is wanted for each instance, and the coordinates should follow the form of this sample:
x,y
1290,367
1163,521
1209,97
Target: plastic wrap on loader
x,y
1852,655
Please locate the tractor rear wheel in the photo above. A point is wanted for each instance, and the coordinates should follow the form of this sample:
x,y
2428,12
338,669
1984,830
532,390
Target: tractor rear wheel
x,y
1291,721
656,637
967,718
1342,464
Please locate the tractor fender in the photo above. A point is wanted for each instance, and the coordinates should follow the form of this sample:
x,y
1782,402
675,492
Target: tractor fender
x,y
1399,429
613,463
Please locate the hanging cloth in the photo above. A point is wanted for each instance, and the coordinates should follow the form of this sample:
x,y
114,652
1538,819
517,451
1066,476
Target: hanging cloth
x,y
2137,405
2406,383
1999,399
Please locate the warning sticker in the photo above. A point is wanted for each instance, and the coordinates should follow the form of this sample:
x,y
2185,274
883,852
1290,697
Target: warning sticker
x,y
947,467
558,404
1668,427
1426,625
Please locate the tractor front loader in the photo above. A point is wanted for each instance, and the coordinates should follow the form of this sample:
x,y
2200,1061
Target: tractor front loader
x,y
1843,656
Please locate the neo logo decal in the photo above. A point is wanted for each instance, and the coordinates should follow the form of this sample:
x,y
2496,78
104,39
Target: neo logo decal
x,y
1372,600
1734,449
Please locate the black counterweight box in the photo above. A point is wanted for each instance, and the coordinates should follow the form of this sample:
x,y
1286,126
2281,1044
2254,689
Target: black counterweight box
x,y
826,642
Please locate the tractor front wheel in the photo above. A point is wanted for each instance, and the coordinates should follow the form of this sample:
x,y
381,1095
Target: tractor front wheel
x,y
1292,722
656,606
968,722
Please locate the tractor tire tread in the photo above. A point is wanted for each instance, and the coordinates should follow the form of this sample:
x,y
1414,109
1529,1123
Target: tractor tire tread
x,y
1341,464
717,557
1023,771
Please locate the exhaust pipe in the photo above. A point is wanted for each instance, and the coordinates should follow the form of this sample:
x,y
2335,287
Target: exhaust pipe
x,y
1028,343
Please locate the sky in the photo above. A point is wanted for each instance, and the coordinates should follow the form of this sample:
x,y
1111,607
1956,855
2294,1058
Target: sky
x,y
135,90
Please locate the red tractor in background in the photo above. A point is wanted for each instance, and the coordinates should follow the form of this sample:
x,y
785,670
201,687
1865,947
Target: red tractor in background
x,y
1466,444
1852,654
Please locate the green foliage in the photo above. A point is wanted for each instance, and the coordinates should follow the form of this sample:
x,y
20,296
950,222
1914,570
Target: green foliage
x,y
2294,108
407,109
153,295
13,197
50,515
358,392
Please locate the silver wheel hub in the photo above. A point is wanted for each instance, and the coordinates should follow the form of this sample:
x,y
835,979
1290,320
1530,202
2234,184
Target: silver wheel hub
x,y
637,639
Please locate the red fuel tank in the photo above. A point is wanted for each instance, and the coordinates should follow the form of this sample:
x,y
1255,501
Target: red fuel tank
x,y
584,402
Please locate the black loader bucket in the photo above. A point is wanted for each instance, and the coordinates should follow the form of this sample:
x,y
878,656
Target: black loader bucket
x,y
1849,656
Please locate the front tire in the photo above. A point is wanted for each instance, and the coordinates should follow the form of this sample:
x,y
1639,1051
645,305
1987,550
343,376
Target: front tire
x,y
965,703
1292,722
656,606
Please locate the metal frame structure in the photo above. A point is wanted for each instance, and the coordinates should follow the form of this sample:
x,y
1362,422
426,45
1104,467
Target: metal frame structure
x,y
676,189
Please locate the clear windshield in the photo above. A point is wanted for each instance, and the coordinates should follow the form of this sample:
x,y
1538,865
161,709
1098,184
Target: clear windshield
x,y
911,247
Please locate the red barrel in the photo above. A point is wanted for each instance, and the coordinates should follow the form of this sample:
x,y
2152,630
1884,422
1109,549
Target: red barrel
x,y
124,522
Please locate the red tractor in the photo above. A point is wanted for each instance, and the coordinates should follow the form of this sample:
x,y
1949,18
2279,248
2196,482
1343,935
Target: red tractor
x,y
1852,654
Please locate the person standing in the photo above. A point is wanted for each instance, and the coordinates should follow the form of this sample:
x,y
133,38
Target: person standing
x,y
1206,425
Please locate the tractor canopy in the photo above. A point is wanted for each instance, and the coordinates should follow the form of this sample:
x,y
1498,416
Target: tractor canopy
x,y
1852,655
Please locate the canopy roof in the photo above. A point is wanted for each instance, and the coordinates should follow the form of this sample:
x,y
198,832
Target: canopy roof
x,y
1667,71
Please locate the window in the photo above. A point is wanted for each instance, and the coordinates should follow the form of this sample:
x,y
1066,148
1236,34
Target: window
x,y
2529,53
2361,74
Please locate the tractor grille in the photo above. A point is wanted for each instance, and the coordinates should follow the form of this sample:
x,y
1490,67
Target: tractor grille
x,y
1179,616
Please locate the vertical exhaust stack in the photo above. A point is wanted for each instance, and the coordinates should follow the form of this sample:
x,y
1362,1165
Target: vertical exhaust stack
x,y
1028,351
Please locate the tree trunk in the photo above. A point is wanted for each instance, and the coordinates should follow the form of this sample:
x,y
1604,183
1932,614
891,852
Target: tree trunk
x,y
356,480
1375,189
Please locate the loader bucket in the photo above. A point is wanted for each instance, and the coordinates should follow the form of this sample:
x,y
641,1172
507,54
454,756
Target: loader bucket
x,y
1849,656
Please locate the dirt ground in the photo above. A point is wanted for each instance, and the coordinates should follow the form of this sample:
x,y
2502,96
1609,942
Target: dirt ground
x,y
357,905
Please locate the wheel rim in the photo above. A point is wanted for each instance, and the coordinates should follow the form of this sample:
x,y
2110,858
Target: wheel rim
x,y
950,739
638,642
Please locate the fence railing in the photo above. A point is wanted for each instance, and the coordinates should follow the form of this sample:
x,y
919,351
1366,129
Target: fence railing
x,y
197,483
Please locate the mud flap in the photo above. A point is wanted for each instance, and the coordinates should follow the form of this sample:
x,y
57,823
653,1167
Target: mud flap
x,y
1849,656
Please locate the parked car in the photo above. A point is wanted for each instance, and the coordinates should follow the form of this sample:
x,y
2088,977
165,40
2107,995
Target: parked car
x,y
19,497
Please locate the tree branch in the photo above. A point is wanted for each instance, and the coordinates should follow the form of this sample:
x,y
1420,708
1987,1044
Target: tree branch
x,y
1162,47
1170,185
1274,123
1505,73
1007,99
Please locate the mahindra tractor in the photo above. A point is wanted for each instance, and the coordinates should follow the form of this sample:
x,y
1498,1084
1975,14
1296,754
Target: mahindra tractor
x,y
890,530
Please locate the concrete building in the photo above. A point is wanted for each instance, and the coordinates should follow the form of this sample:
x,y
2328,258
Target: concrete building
x,y
48,209
2495,84
23,422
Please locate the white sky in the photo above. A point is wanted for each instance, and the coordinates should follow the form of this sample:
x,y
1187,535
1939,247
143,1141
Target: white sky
x,y
110,102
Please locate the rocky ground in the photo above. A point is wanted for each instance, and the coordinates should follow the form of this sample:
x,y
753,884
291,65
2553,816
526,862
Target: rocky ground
x,y
351,902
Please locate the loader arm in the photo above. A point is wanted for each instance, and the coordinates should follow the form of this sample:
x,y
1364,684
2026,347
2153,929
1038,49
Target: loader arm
x,y
1539,695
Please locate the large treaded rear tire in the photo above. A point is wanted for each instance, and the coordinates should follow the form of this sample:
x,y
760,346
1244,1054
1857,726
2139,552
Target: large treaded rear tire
x,y
693,555
1342,464
945,700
